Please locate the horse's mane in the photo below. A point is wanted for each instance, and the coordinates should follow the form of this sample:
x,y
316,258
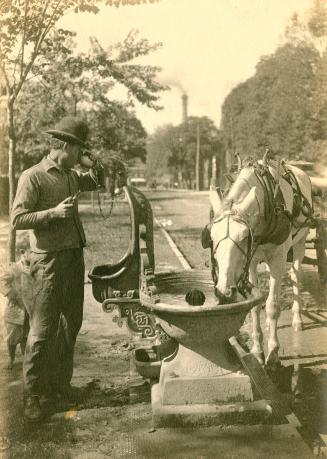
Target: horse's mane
x,y
249,161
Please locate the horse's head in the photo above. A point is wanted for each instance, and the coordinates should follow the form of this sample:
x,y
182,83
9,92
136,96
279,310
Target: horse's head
x,y
232,242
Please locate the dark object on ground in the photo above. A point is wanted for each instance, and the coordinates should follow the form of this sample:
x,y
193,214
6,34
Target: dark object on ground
x,y
195,297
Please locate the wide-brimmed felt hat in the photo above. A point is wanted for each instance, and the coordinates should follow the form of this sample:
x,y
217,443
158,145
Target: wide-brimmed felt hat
x,y
71,129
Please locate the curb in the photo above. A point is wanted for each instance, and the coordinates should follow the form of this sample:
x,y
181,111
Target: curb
x,y
185,264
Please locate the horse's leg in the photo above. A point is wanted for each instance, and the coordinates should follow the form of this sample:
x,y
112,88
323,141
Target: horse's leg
x,y
257,335
295,272
277,266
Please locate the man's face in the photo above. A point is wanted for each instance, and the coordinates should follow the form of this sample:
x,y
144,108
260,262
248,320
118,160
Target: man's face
x,y
71,155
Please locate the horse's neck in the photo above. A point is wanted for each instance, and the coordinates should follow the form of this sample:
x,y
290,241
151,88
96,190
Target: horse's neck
x,y
247,180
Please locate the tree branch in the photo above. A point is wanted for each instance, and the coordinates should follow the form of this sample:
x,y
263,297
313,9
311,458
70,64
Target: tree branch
x,y
38,43
23,41
37,75
47,27
38,39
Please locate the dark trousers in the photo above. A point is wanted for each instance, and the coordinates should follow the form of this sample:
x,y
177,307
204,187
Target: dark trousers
x,y
56,317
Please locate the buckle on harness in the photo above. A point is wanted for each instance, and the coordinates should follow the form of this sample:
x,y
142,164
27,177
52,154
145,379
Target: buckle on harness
x,y
279,209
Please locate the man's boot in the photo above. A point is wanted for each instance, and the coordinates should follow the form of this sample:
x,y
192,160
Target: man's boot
x,y
32,408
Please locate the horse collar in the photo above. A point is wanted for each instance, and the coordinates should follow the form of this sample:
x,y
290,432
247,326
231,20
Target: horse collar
x,y
278,224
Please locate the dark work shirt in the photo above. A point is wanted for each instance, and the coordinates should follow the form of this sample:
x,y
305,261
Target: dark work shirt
x,y
40,189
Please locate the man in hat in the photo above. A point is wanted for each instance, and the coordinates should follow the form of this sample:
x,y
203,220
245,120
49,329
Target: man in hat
x,y
46,204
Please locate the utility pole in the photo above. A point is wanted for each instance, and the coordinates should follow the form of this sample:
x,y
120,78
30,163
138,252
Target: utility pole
x,y
197,160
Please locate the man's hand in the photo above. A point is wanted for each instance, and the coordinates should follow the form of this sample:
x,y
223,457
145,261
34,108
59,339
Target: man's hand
x,y
64,209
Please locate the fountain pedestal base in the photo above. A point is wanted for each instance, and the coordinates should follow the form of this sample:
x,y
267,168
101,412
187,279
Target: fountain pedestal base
x,y
221,389
206,414
209,376
196,389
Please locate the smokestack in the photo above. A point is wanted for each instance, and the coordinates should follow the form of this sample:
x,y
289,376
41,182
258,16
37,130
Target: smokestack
x,y
184,106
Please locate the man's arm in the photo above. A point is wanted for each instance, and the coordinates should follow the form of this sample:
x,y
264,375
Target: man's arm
x,y
24,215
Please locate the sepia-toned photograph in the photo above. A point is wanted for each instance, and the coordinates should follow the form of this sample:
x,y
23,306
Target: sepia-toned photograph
x,y
163,229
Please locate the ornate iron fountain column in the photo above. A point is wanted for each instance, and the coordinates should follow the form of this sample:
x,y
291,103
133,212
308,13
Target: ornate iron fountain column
x,y
117,286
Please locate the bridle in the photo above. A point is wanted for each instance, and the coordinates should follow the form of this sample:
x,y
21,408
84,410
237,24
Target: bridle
x,y
243,285
272,203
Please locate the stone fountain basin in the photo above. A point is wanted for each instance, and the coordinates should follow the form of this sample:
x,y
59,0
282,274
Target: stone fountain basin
x,y
209,324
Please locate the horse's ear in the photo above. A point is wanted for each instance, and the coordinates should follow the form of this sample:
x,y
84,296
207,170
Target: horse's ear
x,y
266,157
239,162
215,200
249,204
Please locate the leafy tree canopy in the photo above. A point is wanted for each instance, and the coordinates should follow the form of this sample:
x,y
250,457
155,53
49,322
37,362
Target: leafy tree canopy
x,y
69,83
272,108
284,105
172,149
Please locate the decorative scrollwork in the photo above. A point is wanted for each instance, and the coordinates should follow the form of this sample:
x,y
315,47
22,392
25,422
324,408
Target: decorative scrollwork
x,y
125,310
118,317
161,334
137,318
108,307
140,321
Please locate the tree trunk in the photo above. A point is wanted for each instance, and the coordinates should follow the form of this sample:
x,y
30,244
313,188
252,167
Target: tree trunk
x,y
180,177
11,176
205,175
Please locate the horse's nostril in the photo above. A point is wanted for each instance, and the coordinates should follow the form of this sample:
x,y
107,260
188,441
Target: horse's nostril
x,y
231,292
228,297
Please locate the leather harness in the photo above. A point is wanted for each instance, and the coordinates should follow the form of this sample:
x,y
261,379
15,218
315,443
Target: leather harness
x,y
279,221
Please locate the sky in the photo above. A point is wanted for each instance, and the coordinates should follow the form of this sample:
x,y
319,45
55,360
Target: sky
x,y
209,46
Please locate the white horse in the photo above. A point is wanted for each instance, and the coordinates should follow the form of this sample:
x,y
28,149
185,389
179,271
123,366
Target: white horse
x,y
265,215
